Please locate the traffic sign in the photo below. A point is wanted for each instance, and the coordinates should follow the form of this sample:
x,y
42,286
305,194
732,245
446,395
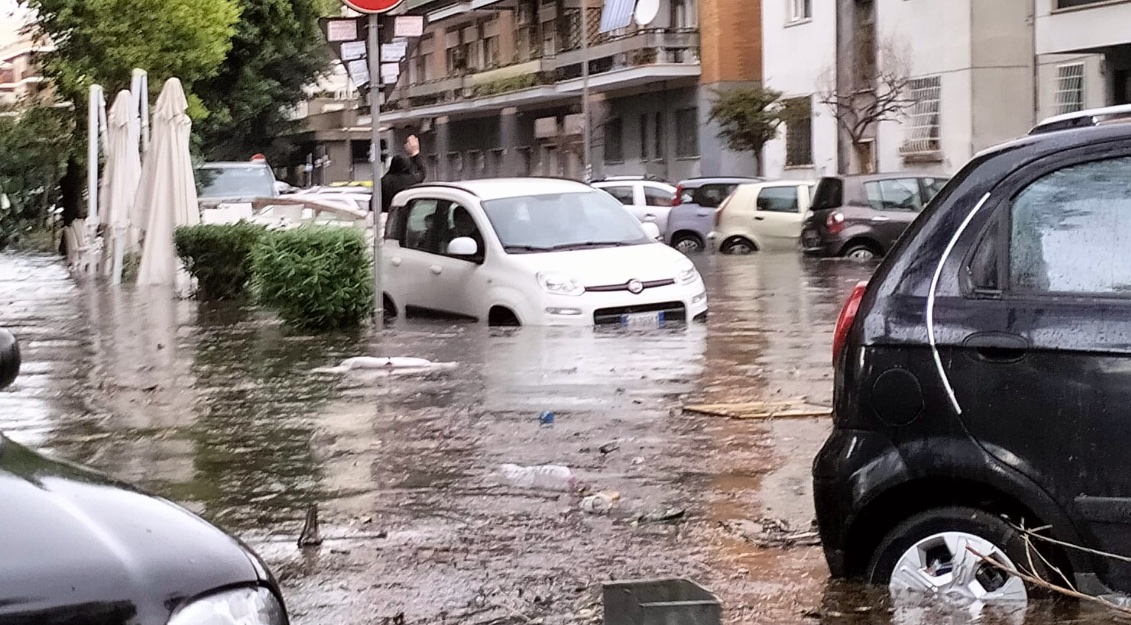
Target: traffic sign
x,y
372,6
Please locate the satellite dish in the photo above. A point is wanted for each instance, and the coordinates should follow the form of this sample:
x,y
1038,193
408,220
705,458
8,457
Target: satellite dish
x,y
646,11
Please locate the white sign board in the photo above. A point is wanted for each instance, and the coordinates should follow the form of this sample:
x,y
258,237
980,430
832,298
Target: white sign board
x,y
359,72
341,30
390,72
394,52
408,26
353,50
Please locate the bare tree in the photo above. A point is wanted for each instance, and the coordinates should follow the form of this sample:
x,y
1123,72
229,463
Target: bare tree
x,y
874,90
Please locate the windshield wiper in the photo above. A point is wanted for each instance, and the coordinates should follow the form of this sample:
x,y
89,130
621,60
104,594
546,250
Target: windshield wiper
x,y
587,244
526,248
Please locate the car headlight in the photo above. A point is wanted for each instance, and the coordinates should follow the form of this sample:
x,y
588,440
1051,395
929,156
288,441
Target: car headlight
x,y
560,284
242,606
687,274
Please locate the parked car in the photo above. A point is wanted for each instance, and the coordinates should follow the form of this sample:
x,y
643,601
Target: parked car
x,y
533,251
692,217
983,380
862,217
80,547
763,216
649,200
353,196
220,184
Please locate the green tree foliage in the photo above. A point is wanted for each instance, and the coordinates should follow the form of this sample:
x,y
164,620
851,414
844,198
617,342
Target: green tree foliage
x,y
102,41
35,144
278,49
748,118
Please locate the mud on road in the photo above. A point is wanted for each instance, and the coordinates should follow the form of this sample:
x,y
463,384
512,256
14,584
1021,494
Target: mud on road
x,y
222,410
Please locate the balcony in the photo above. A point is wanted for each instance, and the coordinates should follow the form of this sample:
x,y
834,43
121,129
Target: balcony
x,y
1072,27
629,60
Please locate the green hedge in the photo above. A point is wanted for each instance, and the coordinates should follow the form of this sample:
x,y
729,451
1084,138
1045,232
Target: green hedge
x,y
315,277
219,257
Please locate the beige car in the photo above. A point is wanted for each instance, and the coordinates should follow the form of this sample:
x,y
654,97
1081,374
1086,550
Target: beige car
x,y
763,216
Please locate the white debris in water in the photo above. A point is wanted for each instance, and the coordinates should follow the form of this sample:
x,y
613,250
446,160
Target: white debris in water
x,y
391,366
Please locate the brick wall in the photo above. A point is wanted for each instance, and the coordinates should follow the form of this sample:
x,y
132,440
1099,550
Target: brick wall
x,y
731,40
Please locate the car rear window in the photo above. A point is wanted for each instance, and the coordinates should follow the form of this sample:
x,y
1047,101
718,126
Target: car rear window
x,y
829,194
712,195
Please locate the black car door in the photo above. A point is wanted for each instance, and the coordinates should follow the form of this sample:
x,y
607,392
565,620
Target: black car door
x,y
1035,343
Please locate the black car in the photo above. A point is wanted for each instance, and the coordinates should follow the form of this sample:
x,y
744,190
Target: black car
x,y
863,216
82,549
983,380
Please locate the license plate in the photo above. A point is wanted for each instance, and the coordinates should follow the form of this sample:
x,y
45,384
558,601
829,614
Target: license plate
x,y
642,320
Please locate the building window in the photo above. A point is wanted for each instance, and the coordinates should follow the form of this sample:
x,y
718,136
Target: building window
x,y
923,126
498,162
687,133
614,140
549,38
525,161
658,137
478,164
1068,4
491,52
800,10
644,119
799,132
685,14
1069,88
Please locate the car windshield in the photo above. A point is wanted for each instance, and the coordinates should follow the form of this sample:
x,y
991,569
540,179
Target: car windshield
x,y
563,221
249,181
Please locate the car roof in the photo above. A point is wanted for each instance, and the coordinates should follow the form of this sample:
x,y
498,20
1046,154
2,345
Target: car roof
x,y
500,188
887,176
232,164
698,182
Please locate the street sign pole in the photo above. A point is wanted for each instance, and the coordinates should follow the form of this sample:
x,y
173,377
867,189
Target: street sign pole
x,y
375,149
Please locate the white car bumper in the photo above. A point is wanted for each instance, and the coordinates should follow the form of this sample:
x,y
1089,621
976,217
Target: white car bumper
x,y
666,304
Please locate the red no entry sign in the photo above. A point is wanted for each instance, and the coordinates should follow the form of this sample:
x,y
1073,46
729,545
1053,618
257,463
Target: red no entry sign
x,y
372,6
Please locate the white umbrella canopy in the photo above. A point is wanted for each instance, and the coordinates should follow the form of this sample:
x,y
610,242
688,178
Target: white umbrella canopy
x,y
166,197
120,182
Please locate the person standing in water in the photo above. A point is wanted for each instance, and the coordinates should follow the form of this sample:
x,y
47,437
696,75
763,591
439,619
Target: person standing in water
x,y
403,172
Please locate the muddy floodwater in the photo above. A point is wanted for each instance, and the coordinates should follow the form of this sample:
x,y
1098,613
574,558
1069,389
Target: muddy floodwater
x,y
226,412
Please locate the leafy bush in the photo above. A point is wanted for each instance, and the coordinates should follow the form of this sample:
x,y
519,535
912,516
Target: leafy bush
x,y
315,277
218,256
35,143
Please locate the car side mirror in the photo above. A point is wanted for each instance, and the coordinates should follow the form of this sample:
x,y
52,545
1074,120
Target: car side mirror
x,y
652,230
463,246
9,359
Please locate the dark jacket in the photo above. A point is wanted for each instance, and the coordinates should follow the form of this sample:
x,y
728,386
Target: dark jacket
x,y
403,173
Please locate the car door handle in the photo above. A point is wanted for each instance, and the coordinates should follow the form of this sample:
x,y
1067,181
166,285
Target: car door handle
x,y
759,218
396,261
881,218
997,346
436,269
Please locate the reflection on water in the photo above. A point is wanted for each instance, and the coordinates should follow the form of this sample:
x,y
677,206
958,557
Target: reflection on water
x,y
219,408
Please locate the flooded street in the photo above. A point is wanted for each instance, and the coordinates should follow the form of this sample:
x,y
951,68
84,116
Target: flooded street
x,y
223,410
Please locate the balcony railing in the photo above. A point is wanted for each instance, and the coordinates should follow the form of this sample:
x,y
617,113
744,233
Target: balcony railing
x,y
641,48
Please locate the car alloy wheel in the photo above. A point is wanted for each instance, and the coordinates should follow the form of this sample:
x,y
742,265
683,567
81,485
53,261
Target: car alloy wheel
x,y
861,253
947,565
689,245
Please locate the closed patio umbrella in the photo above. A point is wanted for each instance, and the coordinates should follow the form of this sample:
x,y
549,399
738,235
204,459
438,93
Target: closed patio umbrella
x,y
166,197
120,182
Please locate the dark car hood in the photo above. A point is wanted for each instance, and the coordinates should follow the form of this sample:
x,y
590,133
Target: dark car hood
x,y
80,548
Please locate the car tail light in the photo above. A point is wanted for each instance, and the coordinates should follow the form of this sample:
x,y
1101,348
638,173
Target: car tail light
x,y
678,198
835,222
847,317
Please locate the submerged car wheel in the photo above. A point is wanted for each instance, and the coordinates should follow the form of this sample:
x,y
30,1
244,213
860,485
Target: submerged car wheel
x,y
940,553
860,251
739,247
688,243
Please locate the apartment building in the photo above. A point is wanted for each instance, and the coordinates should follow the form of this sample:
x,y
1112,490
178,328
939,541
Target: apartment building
x,y
1085,54
494,87
966,71
20,76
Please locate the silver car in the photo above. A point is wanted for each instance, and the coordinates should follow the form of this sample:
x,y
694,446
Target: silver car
x,y
648,200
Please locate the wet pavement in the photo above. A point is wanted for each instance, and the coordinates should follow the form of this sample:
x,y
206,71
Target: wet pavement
x,y
224,411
